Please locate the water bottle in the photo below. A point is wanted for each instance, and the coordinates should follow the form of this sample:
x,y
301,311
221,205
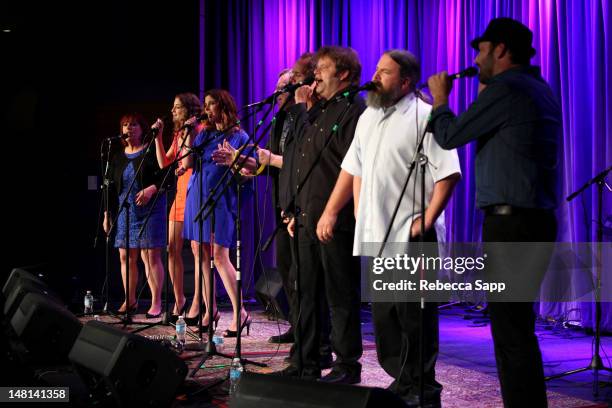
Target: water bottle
x,y
218,342
235,373
181,328
89,300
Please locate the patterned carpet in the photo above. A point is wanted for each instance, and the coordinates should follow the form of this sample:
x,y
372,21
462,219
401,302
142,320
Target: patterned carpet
x,y
463,387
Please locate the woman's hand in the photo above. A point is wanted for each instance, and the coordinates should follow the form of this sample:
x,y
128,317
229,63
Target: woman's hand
x,y
224,155
144,196
159,127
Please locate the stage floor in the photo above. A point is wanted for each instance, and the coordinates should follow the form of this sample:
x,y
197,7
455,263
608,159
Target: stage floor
x,y
466,366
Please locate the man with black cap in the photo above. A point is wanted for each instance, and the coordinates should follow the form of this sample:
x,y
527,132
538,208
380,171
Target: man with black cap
x,y
516,123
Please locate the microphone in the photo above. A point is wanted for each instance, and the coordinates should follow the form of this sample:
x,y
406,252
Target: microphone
x,y
466,73
351,92
293,87
287,88
198,118
118,137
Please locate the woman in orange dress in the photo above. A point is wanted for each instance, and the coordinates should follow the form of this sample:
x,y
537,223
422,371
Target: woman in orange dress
x,y
185,106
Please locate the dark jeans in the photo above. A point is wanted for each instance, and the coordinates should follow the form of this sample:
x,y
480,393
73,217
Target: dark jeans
x,y
397,329
329,271
517,353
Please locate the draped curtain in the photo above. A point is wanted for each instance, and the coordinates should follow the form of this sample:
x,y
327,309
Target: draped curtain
x,y
245,43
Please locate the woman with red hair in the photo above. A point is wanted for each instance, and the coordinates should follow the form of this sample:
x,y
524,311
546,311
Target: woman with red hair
x,y
123,166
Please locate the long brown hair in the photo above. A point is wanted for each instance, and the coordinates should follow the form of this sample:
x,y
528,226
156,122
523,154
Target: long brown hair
x,y
192,103
226,103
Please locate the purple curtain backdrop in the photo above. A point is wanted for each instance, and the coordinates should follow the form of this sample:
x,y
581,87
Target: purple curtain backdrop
x,y
244,44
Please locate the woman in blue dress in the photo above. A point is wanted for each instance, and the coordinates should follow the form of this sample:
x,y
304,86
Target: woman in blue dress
x,y
149,245
222,128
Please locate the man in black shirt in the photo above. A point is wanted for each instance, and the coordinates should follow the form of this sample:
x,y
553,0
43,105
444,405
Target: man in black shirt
x,y
329,269
516,123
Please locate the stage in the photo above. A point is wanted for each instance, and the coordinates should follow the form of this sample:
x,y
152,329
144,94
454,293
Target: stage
x,y
466,366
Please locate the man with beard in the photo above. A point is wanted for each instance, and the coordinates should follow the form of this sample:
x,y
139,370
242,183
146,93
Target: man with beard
x,y
516,123
327,269
374,170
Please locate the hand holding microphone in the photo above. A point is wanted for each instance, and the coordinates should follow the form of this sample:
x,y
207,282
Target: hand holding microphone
x,y
190,123
441,84
158,128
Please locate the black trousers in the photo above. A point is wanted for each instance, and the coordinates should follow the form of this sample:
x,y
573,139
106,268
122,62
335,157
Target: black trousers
x,y
329,271
284,259
517,353
397,329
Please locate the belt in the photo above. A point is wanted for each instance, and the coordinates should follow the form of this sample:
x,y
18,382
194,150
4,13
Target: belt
x,y
506,209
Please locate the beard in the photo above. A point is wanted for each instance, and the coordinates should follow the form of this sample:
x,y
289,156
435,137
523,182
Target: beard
x,y
485,72
380,98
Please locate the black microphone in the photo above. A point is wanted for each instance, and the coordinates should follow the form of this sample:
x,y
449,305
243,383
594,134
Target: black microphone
x,y
293,87
466,73
351,92
287,88
118,137
199,118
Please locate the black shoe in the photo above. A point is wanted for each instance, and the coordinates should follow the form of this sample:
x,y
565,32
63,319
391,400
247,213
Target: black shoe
x,y
292,371
234,333
326,362
173,318
342,377
412,401
286,337
153,316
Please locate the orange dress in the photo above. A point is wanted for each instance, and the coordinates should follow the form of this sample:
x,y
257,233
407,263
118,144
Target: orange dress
x,y
177,212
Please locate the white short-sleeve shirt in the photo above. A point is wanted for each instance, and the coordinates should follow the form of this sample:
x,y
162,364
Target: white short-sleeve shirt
x,y
383,147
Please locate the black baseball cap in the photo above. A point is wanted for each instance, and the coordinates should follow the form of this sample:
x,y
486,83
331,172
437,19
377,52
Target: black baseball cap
x,y
514,34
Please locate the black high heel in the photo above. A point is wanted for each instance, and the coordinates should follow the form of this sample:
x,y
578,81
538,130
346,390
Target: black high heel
x,y
234,333
131,311
174,318
215,324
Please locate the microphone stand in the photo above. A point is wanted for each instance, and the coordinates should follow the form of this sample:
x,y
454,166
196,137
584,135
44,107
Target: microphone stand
x,y
105,208
210,348
596,363
422,160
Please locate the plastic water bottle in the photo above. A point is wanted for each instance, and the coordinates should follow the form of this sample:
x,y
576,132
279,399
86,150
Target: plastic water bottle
x,y
235,374
181,328
89,300
218,342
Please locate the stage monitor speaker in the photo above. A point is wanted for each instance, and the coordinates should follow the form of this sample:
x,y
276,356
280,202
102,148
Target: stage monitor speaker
x,y
270,293
260,390
127,368
16,276
20,287
45,328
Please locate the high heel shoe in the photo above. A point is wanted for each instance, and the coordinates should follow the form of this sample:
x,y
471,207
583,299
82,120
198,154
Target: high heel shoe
x,y
234,333
131,311
215,323
153,316
174,318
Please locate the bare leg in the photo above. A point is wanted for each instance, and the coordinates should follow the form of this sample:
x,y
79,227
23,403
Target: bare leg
x,y
205,266
152,258
228,276
175,264
133,273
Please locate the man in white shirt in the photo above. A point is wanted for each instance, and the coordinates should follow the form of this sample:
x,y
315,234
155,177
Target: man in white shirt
x,y
374,171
